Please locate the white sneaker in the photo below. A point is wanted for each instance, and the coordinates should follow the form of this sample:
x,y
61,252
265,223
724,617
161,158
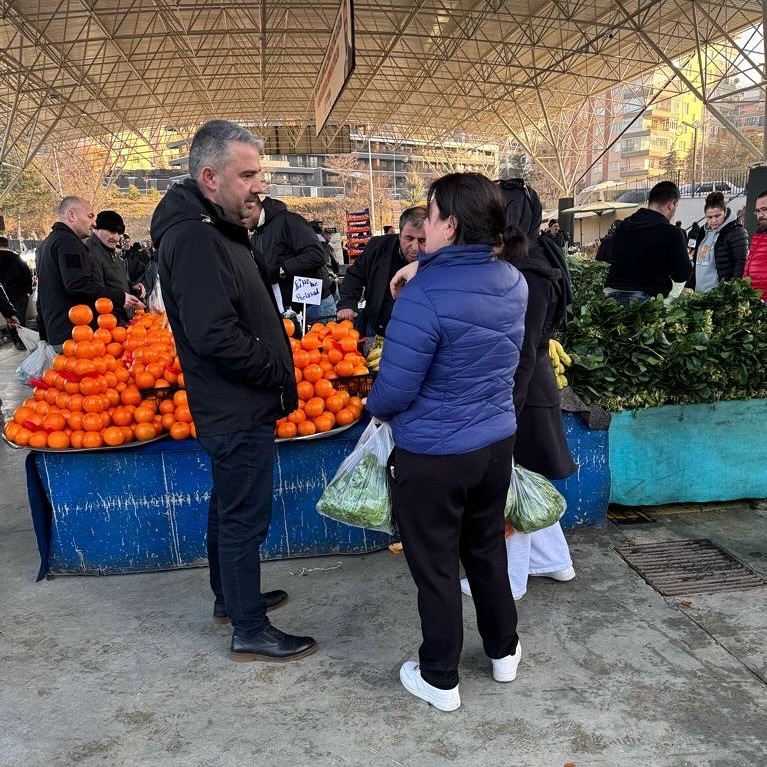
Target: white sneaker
x,y
560,575
505,669
466,589
412,681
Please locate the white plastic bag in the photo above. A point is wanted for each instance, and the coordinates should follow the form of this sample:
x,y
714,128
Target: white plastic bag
x,y
155,303
358,495
36,363
533,502
30,338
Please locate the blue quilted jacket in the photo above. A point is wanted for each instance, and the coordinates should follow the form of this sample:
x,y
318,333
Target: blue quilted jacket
x,y
452,347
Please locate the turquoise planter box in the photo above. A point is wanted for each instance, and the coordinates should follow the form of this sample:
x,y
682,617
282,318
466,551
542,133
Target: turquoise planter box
x,y
689,453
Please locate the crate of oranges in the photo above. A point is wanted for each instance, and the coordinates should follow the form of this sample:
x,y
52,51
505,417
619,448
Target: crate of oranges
x,y
326,357
110,387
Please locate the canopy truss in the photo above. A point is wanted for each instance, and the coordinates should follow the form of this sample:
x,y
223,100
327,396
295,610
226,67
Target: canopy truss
x,y
486,69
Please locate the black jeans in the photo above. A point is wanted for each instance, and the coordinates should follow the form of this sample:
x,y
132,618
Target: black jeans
x,y
449,507
238,520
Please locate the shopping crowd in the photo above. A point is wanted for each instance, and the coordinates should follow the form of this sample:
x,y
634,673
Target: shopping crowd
x,y
467,293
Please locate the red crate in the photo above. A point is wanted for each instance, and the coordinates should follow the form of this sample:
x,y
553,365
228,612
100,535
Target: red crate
x,y
357,386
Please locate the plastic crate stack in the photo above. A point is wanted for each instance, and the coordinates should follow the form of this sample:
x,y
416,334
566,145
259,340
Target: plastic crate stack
x,y
358,232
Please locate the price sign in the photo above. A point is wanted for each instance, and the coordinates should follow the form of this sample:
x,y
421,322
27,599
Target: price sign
x,y
307,290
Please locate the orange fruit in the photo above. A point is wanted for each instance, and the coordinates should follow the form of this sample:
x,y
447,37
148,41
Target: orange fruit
x,y
305,428
91,422
80,314
114,349
314,407
335,356
102,335
305,390
108,321
183,414
130,396
345,416
143,414
68,348
92,439
300,358
58,440
348,344
113,435
314,356
290,327
166,406
344,369
118,334
76,439
54,422
323,388
180,430
167,420
180,398
312,373
310,341
299,375
22,436
23,414
121,417
93,403
287,430
323,422
10,429
75,420
38,439
82,333
144,380
297,416
360,370
339,332
144,431
104,305
84,350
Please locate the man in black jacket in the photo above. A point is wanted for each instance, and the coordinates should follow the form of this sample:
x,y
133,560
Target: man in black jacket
x,y
290,248
64,276
371,272
648,252
238,369
16,280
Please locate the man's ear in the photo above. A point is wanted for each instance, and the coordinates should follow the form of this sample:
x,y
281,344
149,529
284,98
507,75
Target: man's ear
x,y
209,178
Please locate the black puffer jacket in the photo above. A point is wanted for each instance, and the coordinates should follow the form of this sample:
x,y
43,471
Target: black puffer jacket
x,y
730,249
237,362
64,279
285,240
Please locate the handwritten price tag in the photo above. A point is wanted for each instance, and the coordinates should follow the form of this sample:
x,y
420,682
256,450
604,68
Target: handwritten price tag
x,y
307,290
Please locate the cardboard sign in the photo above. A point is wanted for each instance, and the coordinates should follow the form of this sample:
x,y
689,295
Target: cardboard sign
x,y
307,290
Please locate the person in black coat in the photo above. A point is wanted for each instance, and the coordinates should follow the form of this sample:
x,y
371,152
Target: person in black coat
x,y
290,248
238,369
16,280
727,237
373,270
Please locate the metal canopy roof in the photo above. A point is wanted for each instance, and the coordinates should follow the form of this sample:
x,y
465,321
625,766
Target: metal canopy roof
x,y
87,68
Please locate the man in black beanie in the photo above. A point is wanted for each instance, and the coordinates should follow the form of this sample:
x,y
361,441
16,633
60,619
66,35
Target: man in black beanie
x,y
108,268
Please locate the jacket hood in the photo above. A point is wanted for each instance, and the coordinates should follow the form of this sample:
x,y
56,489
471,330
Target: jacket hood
x,y
185,202
643,218
272,208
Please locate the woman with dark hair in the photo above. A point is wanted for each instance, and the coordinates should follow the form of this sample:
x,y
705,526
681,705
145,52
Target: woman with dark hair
x,y
540,444
452,347
721,246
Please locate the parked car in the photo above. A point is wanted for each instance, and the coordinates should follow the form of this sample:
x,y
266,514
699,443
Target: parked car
x,y
702,188
637,196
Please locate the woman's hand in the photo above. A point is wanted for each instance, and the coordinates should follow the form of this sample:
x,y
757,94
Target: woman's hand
x,y
402,277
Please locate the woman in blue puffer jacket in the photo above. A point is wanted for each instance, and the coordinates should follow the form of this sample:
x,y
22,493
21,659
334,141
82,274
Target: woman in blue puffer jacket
x,y
446,384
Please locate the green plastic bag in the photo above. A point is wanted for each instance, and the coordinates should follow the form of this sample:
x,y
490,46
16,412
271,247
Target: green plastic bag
x,y
533,502
358,494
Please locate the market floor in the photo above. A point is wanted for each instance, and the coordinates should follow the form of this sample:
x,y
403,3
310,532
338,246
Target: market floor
x,y
130,670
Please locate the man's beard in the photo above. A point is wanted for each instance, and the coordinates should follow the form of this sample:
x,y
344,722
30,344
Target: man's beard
x,y
761,226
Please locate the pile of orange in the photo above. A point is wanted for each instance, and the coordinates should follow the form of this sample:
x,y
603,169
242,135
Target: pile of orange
x,y
95,393
324,354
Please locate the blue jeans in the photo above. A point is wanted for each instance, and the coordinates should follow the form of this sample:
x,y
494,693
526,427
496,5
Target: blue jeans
x,y
625,297
327,308
239,513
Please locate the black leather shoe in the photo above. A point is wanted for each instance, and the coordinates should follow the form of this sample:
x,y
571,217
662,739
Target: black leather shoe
x,y
274,599
271,645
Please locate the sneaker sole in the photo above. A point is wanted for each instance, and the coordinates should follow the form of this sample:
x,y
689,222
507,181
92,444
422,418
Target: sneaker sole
x,y
249,657
223,620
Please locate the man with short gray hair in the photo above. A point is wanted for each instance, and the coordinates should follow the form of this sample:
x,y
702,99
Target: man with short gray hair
x,y
238,369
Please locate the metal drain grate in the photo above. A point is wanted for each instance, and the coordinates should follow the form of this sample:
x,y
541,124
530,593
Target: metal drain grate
x,y
627,516
690,567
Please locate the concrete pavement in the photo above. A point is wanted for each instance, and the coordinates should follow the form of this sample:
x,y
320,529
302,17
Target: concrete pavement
x,y
130,670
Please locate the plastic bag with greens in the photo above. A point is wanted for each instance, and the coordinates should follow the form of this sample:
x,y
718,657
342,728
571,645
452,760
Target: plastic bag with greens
x,y
359,493
533,502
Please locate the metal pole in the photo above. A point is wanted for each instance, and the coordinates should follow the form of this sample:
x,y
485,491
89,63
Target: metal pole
x,y
372,198
764,72
694,153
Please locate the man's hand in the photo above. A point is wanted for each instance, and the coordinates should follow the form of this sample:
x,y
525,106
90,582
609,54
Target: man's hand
x,y
12,322
131,302
139,290
402,277
345,314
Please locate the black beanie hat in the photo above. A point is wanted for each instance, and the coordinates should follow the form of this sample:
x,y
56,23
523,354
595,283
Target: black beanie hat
x,y
111,221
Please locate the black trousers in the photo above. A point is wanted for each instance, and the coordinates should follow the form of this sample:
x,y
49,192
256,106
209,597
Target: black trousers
x,y
450,507
238,520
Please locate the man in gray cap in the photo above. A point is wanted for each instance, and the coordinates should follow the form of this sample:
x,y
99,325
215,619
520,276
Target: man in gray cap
x,y
108,268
